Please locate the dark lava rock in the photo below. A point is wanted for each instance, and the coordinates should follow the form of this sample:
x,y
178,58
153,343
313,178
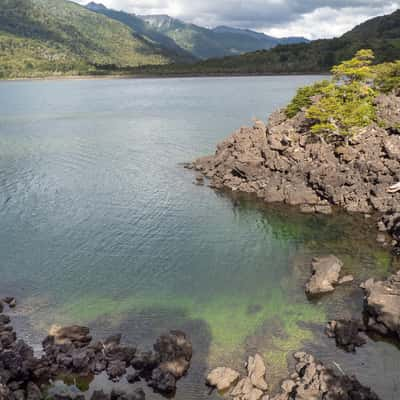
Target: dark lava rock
x,y
69,350
116,369
175,352
33,392
162,381
348,334
133,378
138,394
145,361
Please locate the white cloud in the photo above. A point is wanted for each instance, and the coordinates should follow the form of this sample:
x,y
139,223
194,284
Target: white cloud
x,y
327,22
310,18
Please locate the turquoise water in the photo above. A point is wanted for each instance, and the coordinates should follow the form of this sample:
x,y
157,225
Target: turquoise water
x,y
101,225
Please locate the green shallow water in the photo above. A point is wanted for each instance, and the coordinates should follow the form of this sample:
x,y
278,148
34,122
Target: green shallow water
x,y
102,226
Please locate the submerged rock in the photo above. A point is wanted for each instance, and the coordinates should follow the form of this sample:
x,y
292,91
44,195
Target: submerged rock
x,y
326,273
348,334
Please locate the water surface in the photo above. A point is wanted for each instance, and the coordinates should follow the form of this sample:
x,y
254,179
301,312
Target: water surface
x,y
101,225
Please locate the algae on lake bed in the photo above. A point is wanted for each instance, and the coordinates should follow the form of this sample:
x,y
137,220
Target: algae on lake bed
x,y
231,320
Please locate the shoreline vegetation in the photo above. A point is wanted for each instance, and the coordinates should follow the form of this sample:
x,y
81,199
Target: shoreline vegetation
x,y
61,38
150,76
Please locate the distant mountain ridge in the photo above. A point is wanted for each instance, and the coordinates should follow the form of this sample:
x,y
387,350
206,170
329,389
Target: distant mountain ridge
x,y
221,41
381,34
190,40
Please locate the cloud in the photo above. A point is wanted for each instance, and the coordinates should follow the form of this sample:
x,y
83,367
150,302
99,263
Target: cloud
x,y
311,18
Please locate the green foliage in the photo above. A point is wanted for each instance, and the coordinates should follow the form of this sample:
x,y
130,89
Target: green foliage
x,y
303,98
345,104
388,77
343,109
356,69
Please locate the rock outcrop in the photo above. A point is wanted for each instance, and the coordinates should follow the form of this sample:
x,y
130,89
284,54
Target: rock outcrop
x,y
313,381
382,305
284,162
310,381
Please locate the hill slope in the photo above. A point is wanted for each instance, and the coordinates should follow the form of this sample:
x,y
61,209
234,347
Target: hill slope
x,y
140,27
381,34
219,42
42,37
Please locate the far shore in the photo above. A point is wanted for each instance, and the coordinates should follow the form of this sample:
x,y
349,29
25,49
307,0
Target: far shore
x,y
154,76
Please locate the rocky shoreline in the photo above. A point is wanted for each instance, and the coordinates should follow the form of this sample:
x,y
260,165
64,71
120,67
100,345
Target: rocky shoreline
x,y
283,162
310,380
70,351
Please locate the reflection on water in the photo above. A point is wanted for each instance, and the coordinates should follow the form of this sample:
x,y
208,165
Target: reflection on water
x,y
101,225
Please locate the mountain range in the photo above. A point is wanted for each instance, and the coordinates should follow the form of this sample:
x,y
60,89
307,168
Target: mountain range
x,y
381,34
219,42
59,37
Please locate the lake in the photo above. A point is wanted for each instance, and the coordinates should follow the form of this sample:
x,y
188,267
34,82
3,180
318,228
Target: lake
x,y
101,225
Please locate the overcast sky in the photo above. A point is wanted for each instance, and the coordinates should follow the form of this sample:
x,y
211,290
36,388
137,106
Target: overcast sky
x,y
310,18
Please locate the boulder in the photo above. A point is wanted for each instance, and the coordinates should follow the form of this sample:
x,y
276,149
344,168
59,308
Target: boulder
x,y
78,335
222,378
256,372
245,390
382,304
326,272
116,369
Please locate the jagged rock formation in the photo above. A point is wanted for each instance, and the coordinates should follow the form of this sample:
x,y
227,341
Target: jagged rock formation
x,y
284,162
310,381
